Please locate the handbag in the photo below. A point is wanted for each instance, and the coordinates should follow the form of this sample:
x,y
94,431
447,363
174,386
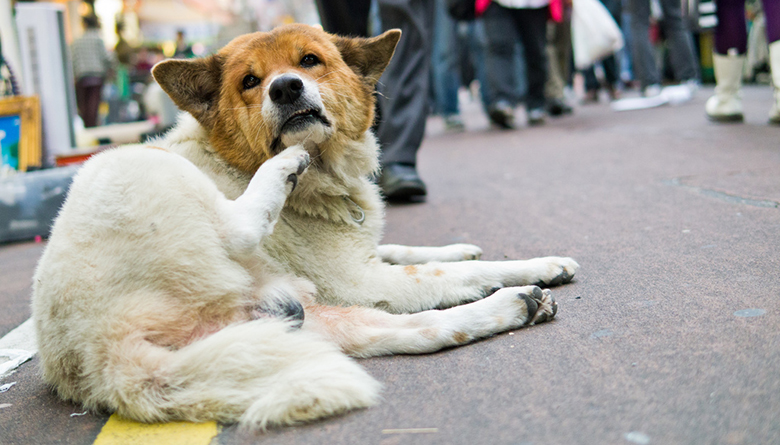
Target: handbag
x,y
594,33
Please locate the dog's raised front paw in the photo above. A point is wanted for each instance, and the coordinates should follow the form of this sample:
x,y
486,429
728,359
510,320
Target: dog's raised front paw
x,y
292,162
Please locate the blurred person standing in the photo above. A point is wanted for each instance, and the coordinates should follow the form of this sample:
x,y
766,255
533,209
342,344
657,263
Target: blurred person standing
x,y
183,50
91,65
729,59
506,21
404,86
679,41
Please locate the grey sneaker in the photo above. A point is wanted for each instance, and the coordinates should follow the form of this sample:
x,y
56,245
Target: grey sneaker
x,y
536,116
454,122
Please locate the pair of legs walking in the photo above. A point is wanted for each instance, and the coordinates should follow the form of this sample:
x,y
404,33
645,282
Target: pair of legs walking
x,y
729,59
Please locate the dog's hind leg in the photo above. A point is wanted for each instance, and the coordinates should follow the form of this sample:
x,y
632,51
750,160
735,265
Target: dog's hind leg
x,y
405,255
253,215
365,332
259,373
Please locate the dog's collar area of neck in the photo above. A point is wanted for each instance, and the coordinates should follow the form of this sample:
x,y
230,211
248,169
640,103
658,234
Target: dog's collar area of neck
x,y
355,211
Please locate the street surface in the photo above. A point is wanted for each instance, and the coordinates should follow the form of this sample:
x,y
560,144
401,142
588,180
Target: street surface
x,y
669,334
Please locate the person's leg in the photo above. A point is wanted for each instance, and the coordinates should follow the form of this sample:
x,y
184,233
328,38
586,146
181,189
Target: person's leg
x,y
679,41
446,80
611,76
728,61
558,51
404,99
731,30
532,27
344,17
772,13
478,48
92,90
642,54
499,63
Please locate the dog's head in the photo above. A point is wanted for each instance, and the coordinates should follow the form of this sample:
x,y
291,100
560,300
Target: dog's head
x,y
266,91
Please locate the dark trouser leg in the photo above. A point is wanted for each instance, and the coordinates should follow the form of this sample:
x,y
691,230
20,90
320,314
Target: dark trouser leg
x,y
642,55
532,28
88,94
499,58
405,83
345,17
678,36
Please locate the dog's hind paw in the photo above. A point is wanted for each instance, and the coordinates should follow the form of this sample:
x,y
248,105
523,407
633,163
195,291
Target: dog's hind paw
x,y
559,271
540,305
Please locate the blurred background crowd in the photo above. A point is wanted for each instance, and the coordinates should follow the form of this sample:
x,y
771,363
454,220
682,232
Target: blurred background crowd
x,y
524,61
527,50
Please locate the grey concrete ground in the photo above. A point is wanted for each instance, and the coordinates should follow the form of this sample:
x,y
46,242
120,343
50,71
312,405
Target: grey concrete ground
x,y
668,335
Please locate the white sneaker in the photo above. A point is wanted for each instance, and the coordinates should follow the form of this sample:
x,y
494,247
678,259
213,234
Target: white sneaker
x,y
652,90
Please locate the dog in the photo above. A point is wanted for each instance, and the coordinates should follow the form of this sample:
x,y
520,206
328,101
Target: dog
x,y
232,271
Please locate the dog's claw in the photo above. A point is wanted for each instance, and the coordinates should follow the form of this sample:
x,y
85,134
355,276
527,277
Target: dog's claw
x,y
293,178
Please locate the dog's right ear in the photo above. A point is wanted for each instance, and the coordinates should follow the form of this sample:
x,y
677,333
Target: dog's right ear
x,y
193,85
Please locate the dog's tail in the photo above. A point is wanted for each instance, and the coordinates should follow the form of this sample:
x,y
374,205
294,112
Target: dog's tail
x,y
259,373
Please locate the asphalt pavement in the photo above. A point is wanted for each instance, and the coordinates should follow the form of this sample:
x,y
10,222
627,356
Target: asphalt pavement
x,y
669,334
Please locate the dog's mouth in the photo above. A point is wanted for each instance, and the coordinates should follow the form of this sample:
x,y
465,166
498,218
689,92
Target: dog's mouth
x,y
295,126
303,118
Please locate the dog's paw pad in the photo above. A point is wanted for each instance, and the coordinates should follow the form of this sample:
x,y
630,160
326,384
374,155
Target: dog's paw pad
x,y
540,305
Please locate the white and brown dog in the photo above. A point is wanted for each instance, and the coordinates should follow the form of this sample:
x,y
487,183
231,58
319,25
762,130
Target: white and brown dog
x,y
178,274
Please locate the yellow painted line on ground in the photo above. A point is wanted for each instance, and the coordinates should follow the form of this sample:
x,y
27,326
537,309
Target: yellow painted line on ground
x,y
120,431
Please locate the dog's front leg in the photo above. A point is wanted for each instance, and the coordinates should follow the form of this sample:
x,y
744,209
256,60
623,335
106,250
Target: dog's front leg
x,y
405,255
253,215
365,332
415,288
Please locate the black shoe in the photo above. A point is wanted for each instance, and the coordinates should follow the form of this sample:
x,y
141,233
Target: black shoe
x,y
401,182
557,107
502,114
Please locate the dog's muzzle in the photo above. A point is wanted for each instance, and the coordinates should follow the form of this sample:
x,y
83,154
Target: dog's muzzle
x,y
297,106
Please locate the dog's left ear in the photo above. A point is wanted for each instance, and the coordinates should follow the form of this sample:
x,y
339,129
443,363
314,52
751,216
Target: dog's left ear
x,y
368,57
193,85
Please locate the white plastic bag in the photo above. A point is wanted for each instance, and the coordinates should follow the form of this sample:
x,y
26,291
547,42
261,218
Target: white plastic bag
x,y
594,33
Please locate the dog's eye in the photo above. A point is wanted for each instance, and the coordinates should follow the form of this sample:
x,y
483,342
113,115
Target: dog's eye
x,y
250,82
309,60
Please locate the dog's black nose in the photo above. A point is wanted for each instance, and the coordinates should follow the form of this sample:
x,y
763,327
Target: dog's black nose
x,y
286,89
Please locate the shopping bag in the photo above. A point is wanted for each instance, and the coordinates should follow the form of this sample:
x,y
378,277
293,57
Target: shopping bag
x,y
594,33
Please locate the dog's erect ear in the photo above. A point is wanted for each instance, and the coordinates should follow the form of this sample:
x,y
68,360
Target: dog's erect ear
x,y
368,57
192,84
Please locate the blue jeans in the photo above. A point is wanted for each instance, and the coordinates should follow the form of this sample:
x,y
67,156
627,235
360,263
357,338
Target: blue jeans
x,y
678,37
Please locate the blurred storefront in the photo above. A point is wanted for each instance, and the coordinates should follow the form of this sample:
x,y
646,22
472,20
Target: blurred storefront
x,y
42,118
